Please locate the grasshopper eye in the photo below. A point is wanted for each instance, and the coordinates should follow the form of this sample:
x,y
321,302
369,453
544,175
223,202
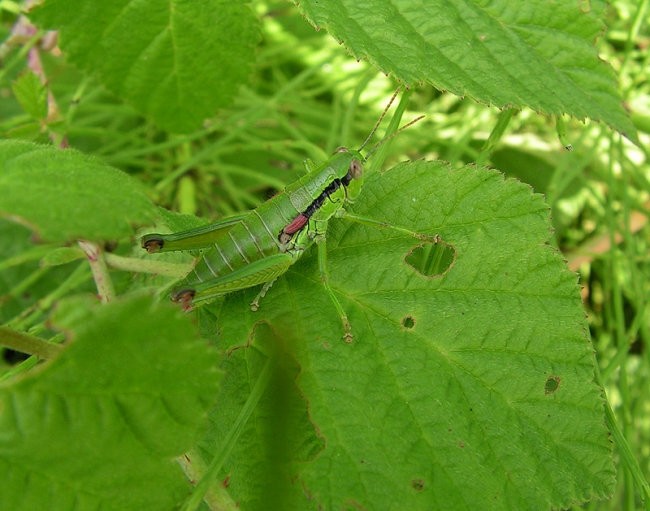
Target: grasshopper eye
x,y
355,169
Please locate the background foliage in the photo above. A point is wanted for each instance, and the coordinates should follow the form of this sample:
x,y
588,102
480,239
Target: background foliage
x,y
473,388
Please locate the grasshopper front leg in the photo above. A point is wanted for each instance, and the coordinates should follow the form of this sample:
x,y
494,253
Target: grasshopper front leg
x,y
364,220
319,233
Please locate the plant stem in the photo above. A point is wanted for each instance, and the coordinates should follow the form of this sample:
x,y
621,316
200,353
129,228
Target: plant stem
x,y
176,270
99,270
560,127
628,458
381,153
348,118
34,313
496,135
25,343
203,485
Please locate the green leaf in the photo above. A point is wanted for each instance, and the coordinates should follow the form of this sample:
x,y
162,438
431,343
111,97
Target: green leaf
x,y
443,399
175,61
62,255
99,427
64,195
31,95
535,54
282,431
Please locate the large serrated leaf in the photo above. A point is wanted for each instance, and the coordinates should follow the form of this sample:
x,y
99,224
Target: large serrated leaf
x,y
176,61
99,427
473,389
65,195
537,54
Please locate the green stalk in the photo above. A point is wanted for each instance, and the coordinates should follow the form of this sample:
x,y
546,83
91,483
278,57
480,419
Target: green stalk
x,y
203,486
132,264
25,343
99,270
495,137
381,153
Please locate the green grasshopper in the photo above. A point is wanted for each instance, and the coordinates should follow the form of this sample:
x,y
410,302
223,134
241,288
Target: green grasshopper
x,y
257,247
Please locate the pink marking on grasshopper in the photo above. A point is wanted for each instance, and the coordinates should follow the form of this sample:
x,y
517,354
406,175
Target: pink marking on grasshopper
x,y
298,223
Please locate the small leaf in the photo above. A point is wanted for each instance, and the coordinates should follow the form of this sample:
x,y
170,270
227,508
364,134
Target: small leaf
x,y
31,95
536,54
65,195
62,255
443,400
99,427
177,62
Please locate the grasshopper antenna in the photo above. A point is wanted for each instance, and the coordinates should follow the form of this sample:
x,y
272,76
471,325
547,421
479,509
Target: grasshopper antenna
x,y
381,118
383,141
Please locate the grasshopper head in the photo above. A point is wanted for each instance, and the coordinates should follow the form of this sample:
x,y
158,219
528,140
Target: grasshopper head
x,y
352,163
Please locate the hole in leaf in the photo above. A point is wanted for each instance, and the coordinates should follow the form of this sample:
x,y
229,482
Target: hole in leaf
x,y
551,385
431,259
408,322
418,484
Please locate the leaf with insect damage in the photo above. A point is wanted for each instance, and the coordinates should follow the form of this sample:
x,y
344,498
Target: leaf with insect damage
x,y
470,380
536,54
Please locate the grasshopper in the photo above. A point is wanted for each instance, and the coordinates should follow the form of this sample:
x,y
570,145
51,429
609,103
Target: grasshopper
x,y
257,247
